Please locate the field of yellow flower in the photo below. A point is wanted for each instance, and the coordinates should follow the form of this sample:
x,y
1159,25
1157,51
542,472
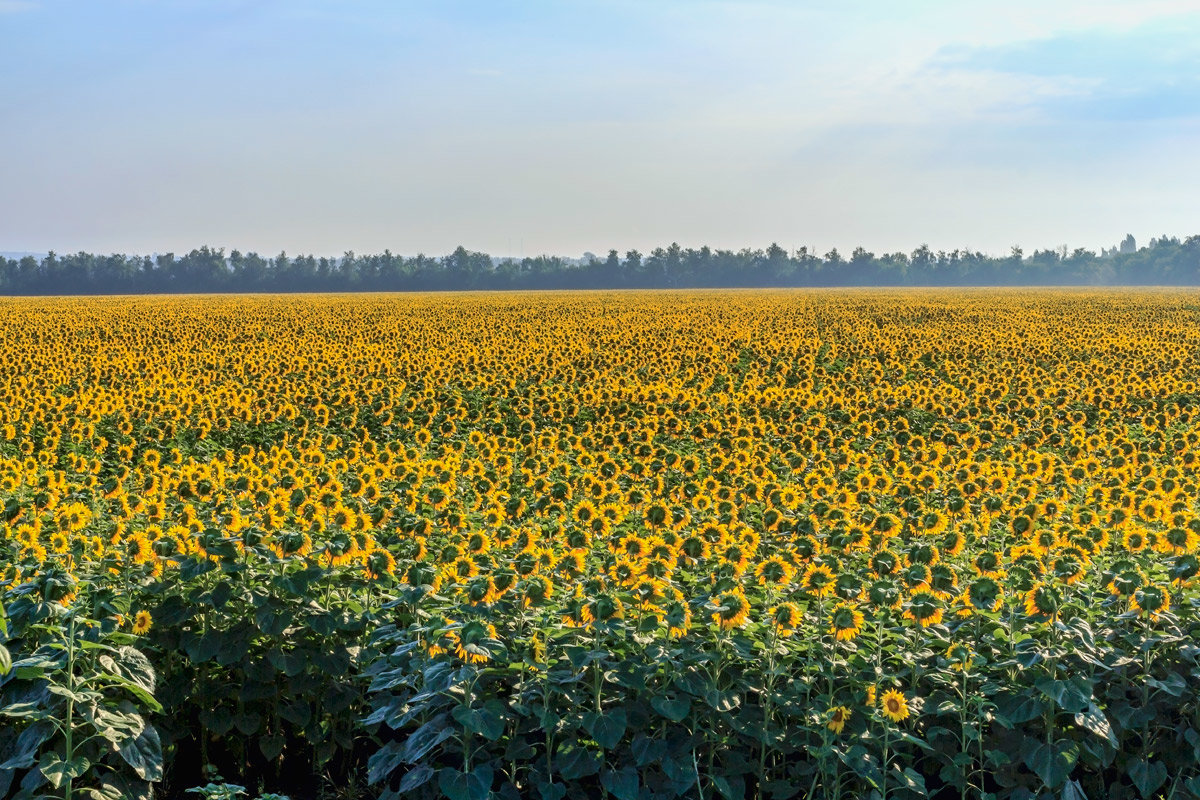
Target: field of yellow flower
x,y
760,544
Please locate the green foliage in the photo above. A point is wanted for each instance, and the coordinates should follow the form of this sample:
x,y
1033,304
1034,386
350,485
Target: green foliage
x,y
76,709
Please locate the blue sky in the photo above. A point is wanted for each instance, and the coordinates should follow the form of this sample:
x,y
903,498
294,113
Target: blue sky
x,y
531,127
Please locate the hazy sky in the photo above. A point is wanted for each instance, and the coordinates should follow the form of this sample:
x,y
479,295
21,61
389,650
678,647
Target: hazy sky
x,y
559,127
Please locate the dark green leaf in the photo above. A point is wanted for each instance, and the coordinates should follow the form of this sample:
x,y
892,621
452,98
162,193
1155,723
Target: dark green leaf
x,y
607,729
621,783
474,785
144,754
1147,776
674,709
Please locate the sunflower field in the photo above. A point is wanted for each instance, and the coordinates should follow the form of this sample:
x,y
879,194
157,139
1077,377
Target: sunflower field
x,y
638,545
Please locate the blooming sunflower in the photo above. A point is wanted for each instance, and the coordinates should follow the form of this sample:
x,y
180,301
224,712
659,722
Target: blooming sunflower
x,y
837,718
846,622
775,571
819,580
785,617
142,622
1042,600
895,707
732,609
379,562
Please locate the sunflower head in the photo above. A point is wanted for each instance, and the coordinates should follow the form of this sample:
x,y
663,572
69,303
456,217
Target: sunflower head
x,y
837,718
1150,600
960,656
733,608
1043,600
894,706
846,622
984,594
785,617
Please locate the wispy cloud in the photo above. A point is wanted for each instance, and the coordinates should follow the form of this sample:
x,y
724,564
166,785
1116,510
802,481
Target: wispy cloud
x,y
1149,72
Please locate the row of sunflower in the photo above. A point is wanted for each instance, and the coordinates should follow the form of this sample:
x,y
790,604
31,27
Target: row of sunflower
x,y
750,544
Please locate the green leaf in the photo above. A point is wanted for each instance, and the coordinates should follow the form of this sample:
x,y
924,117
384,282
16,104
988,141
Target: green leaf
x,y
221,594
248,722
647,750
144,754
1094,720
1049,763
1147,776
271,746
136,667
383,761
552,791
1066,694
474,785
57,771
491,720
427,737
732,787
674,709
607,729
24,711
1073,791
573,762
417,776
5,660
622,783
1174,684
23,752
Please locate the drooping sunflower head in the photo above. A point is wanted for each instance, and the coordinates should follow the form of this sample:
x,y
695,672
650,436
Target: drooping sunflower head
x,y
1150,600
786,617
1043,600
819,580
924,608
733,608
774,571
884,593
960,656
378,563
884,563
838,715
537,589
984,594
846,622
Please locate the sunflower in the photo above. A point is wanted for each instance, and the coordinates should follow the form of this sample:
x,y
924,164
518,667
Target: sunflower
x,y
960,657
924,608
1134,540
1042,600
379,562
895,707
984,594
884,563
837,718
775,571
142,622
678,618
536,590
732,609
818,580
785,617
846,622
1151,600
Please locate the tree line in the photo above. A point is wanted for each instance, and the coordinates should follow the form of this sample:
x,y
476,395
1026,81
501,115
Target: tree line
x,y
1165,261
